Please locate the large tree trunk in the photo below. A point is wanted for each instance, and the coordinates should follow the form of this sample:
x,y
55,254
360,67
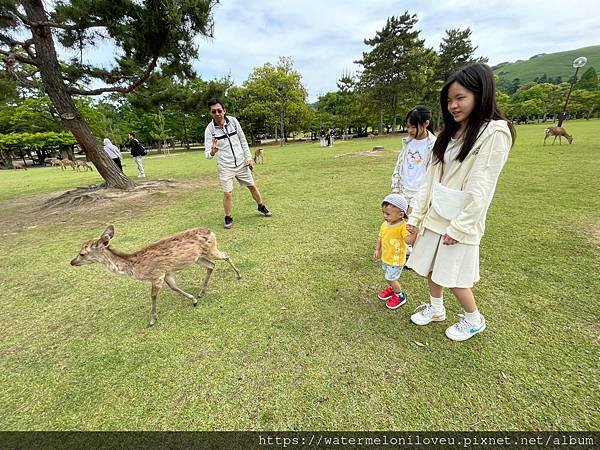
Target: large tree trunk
x,y
57,91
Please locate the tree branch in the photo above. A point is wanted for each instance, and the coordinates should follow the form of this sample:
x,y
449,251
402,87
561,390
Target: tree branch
x,y
32,24
21,59
123,90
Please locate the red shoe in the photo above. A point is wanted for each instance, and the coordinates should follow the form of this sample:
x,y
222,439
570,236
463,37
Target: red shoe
x,y
396,301
386,294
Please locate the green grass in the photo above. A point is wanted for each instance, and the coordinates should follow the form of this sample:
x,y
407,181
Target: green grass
x,y
551,64
301,342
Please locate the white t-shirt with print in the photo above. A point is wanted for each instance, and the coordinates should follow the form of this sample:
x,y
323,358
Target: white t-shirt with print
x,y
415,164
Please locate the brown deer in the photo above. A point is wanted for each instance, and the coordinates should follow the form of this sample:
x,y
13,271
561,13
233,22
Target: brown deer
x,y
557,132
68,162
17,165
56,162
157,262
83,166
258,155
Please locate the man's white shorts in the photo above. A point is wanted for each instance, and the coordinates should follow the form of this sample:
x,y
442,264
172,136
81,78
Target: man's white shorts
x,y
241,173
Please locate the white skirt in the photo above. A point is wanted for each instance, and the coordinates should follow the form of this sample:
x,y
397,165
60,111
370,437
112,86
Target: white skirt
x,y
450,265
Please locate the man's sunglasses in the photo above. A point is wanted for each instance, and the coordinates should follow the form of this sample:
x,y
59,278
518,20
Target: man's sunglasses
x,y
216,111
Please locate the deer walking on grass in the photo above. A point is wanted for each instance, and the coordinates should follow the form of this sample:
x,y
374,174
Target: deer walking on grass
x,y
17,165
68,162
557,132
83,166
54,162
258,155
157,262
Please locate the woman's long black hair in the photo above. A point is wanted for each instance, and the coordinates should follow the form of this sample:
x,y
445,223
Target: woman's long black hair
x,y
479,79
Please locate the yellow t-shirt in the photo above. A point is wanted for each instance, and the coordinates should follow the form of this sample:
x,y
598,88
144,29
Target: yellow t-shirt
x,y
393,245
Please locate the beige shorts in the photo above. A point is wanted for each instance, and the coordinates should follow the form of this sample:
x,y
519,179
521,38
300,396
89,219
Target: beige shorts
x,y
241,173
450,265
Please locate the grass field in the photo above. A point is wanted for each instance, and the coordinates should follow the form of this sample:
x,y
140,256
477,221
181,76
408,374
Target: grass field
x,y
301,342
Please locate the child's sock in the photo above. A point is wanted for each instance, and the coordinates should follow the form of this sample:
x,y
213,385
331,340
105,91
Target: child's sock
x,y
437,303
399,293
473,317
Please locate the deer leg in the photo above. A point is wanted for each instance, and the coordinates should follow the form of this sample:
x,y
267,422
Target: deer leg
x,y
216,254
156,285
205,262
554,139
173,285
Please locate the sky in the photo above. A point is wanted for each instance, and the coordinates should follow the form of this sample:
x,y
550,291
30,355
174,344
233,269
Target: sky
x,y
325,37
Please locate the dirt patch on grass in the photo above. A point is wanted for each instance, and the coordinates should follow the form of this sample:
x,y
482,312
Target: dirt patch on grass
x,y
28,213
366,153
595,233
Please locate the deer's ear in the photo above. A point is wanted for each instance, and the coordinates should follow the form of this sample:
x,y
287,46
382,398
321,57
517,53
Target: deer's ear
x,y
109,233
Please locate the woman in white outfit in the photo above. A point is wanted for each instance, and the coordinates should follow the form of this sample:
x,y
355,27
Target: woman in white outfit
x,y
453,201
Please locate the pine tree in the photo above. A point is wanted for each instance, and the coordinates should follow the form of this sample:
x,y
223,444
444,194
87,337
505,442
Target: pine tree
x,y
147,34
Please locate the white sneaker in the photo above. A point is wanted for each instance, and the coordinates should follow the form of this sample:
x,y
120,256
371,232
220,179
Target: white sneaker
x,y
425,314
464,330
141,176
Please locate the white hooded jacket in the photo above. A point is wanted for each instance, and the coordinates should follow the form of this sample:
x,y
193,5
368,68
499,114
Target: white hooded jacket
x,y
477,176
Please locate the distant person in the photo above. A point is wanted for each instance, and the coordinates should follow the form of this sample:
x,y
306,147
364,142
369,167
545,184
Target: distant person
x,y
391,246
137,152
453,201
113,153
225,138
330,137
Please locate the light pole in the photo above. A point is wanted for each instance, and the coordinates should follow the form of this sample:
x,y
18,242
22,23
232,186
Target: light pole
x,y
577,64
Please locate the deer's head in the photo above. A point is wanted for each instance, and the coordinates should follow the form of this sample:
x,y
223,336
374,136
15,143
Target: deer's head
x,y
91,251
569,138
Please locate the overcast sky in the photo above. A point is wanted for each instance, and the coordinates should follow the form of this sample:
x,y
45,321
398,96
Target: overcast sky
x,y
324,37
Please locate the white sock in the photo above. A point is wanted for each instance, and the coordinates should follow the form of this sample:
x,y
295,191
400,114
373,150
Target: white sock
x,y
473,317
437,303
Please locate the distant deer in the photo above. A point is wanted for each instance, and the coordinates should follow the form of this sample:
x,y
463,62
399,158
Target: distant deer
x,y
557,132
68,162
158,261
258,155
17,165
83,166
56,162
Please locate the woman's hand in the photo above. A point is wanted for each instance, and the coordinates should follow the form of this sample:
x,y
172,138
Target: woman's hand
x,y
411,229
447,240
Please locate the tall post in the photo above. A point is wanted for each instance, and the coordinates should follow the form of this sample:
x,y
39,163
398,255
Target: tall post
x,y
577,64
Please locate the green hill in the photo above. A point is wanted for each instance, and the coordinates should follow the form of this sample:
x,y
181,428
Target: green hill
x,y
551,64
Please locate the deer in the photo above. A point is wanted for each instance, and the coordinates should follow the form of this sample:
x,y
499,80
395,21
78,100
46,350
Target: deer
x,y
83,165
57,162
557,132
17,165
68,162
258,155
157,262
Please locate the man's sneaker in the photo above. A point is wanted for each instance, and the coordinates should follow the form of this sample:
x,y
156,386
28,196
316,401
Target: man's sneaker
x,y
264,211
396,301
464,330
425,314
228,222
386,294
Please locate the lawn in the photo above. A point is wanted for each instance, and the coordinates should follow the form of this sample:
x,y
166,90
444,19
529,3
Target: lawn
x,y
301,342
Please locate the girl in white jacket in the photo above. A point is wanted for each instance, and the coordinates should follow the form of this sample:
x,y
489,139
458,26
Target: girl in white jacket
x,y
452,203
413,159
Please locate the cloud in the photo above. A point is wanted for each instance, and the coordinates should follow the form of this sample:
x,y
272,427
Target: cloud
x,y
325,37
